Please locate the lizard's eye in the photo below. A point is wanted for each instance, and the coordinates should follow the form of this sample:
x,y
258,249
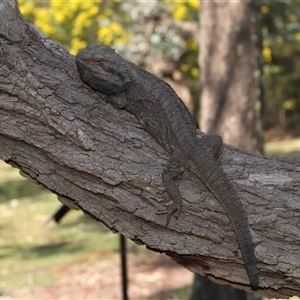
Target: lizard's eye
x,y
98,60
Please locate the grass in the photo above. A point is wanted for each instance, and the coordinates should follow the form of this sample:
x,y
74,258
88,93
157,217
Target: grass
x,y
31,251
283,147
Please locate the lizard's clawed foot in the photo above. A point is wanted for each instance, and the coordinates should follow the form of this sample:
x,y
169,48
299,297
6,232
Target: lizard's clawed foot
x,y
170,210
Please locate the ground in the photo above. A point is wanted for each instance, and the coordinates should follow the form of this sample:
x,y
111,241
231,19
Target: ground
x,y
157,278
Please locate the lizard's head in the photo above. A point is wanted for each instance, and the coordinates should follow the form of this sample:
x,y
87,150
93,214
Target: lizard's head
x,y
103,69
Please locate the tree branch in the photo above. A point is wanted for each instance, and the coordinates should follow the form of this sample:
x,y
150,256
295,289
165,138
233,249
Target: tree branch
x,y
63,135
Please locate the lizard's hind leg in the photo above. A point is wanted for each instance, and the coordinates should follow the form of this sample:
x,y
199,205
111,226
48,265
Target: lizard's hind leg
x,y
213,144
172,170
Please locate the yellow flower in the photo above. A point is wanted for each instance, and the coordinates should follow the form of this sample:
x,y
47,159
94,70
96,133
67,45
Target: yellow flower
x,y
180,12
264,9
267,54
289,104
113,34
292,18
195,72
195,4
297,36
76,45
43,21
26,8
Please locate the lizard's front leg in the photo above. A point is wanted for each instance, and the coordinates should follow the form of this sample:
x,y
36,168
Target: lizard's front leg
x,y
172,170
117,100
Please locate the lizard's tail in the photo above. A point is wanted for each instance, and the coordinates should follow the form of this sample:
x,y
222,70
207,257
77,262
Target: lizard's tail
x,y
216,180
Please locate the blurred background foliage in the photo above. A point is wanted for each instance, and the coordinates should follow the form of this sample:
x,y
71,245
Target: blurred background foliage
x,y
162,35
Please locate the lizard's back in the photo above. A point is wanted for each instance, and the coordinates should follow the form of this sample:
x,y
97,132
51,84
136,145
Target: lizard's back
x,y
165,117
161,112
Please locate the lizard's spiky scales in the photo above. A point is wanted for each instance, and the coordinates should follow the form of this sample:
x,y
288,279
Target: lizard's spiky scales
x,y
165,117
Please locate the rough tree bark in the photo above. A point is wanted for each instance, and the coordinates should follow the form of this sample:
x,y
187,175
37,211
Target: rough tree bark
x,y
61,134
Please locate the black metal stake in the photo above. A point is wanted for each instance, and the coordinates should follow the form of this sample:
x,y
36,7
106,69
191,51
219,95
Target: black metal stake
x,y
124,267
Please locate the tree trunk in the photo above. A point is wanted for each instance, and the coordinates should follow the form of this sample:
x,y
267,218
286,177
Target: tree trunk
x,y
230,72
63,135
228,56
205,289
222,111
